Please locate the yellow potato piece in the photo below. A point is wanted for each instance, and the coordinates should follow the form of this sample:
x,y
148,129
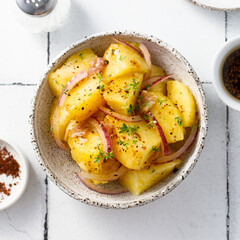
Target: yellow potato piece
x,y
82,101
133,150
139,181
78,62
122,60
84,153
169,117
161,86
123,92
181,96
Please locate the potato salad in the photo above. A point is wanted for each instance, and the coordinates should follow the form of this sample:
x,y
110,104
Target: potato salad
x,y
121,117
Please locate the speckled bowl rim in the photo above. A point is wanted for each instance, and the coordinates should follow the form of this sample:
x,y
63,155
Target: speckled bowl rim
x,y
168,187
214,8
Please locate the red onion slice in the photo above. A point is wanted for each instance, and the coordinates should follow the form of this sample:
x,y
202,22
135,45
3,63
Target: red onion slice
x,y
56,134
102,131
97,66
109,112
162,135
98,188
70,84
127,45
154,80
110,177
147,58
181,151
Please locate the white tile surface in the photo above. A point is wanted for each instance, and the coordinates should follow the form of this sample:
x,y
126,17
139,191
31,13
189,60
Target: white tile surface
x,y
23,54
197,208
25,219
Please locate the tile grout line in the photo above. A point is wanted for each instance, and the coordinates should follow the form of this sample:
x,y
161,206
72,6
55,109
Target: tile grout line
x,y
227,159
45,235
18,84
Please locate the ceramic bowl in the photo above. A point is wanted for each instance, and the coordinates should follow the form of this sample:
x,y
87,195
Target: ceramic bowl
x,y
59,165
218,63
21,182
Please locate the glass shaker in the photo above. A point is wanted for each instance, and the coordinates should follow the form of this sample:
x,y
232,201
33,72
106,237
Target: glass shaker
x,y
42,15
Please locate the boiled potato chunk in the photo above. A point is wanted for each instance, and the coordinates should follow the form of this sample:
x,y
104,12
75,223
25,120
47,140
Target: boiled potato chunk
x,y
78,62
122,60
54,116
139,181
134,148
157,71
123,92
169,117
161,86
181,96
84,153
82,101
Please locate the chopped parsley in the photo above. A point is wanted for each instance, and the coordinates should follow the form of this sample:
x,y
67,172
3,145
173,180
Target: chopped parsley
x,y
132,86
121,58
179,121
148,86
149,120
56,81
194,127
161,101
51,128
130,109
128,129
146,103
125,144
80,55
154,148
101,87
66,91
89,94
63,87
152,171
139,104
134,141
102,155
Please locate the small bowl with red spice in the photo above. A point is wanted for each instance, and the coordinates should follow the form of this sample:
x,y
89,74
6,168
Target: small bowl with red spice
x,y
13,174
226,73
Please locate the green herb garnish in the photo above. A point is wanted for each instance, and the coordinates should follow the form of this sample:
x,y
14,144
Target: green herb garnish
x,y
148,86
152,171
132,86
101,87
179,121
63,87
161,101
66,91
125,144
51,128
80,55
102,155
122,58
128,129
154,148
194,127
130,109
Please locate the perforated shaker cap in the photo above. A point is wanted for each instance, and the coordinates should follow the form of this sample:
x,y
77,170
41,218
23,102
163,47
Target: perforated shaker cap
x,y
36,7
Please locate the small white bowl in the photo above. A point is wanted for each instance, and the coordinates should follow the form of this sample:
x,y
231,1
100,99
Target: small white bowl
x,y
219,60
16,190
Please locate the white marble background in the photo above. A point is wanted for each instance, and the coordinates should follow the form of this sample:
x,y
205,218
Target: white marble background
x,y
205,206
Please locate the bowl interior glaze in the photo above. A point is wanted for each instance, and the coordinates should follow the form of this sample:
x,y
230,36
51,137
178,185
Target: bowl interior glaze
x,y
59,165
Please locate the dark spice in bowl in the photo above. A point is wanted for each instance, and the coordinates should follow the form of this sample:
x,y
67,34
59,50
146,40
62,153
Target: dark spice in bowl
x,y
8,166
231,73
